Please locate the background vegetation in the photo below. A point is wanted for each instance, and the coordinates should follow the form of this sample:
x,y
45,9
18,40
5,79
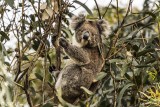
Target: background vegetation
x,y
132,69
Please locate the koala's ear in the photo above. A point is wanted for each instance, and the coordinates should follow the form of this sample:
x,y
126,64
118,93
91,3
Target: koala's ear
x,y
77,21
103,27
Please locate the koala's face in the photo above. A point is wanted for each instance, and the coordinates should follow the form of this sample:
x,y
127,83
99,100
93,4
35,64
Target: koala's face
x,y
88,32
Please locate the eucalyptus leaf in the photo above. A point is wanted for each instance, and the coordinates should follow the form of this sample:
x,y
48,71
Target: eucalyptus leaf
x,y
32,90
99,76
143,52
49,11
84,6
45,15
36,44
25,66
150,13
10,3
67,31
124,69
117,61
39,76
4,36
43,6
25,57
142,66
7,63
32,16
122,93
4,51
48,105
87,91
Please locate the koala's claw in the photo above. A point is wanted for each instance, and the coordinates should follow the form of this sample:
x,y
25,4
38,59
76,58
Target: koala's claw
x,y
63,42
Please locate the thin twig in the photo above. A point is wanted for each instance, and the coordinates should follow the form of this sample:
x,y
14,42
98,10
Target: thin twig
x,y
113,43
117,51
38,52
99,14
26,86
28,98
19,85
135,22
117,12
106,9
18,55
32,63
39,1
58,55
114,40
18,40
128,10
44,75
39,18
158,26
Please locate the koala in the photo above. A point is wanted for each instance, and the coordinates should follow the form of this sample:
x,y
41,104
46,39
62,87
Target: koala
x,y
86,54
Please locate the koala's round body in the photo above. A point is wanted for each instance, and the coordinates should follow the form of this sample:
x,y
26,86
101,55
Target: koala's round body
x,y
86,54
72,78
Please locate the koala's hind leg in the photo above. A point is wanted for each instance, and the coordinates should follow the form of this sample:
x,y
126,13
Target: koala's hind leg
x,y
77,54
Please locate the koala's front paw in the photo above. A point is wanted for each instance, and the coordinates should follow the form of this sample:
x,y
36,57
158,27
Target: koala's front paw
x,y
63,42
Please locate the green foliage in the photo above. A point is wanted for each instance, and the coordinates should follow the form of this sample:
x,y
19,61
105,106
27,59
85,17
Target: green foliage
x,y
10,3
133,57
132,65
84,6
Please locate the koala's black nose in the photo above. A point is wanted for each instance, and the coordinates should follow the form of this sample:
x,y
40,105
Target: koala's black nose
x,y
86,35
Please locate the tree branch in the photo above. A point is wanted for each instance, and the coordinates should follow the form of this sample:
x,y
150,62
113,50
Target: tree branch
x,y
117,12
99,14
128,10
106,9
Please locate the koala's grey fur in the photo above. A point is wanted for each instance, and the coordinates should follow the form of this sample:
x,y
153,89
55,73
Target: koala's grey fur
x,y
85,61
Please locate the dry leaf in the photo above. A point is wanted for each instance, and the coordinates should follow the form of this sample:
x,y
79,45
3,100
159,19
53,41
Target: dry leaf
x,y
56,6
45,15
49,11
52,2
25,66
43,6
129,54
